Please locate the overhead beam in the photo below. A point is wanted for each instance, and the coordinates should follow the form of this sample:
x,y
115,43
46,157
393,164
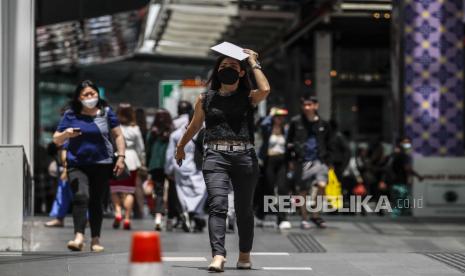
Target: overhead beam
x,y
160,21
204,2
181,52
186,43
256,31
230,10
194,27
184,61
188,17
352,14
192,39
261,23
261,3
187,34
244,14
351,6
188,48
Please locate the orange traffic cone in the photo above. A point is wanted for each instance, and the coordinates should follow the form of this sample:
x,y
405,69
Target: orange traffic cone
x,y
146,255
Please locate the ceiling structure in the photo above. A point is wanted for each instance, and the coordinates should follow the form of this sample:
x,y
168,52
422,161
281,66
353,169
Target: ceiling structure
x,y
191,27
58,11
174,38
362,8
183,28
96,40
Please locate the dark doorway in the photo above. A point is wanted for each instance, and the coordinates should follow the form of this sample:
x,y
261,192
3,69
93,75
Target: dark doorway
x,y
370,115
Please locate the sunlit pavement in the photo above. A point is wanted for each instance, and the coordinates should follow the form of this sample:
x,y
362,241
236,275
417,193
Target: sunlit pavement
x,y
349,246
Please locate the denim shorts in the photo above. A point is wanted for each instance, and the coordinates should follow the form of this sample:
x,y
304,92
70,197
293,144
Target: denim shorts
x,y
313,172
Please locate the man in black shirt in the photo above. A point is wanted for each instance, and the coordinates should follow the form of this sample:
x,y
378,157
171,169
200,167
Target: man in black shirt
x,y
309,144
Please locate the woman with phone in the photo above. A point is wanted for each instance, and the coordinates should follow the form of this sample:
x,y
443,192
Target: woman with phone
x,y
88,128
227,109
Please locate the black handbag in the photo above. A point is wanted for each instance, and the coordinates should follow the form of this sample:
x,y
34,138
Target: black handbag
x,y
124,175
199,150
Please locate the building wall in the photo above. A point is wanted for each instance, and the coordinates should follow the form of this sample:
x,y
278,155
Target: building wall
x,y
433,76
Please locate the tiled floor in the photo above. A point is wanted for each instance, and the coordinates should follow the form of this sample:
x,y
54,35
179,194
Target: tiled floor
x,y
354,246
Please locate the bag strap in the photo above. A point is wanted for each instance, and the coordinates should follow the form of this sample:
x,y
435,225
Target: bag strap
x,y
105,111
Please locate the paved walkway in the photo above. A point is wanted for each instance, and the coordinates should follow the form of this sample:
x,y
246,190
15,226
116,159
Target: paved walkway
x,y
350,246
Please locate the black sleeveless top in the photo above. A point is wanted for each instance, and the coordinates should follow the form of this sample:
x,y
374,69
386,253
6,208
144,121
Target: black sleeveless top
x,y
228,117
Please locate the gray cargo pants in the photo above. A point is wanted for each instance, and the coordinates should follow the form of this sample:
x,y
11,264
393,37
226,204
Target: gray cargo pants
x,y
240,168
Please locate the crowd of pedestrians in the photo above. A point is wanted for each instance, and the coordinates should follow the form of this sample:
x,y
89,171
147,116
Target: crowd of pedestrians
x,y
102,157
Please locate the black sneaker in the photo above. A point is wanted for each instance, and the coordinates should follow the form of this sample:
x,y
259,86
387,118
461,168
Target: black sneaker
x,y
186,224
319,222
200,224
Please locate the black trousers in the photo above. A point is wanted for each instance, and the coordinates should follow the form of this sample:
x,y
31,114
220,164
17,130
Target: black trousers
x,y
158,176
89,185
276,178
174,207
241,170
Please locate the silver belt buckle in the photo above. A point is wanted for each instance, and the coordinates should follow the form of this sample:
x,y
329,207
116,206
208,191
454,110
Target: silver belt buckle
x,y
222,147
229,148
239,147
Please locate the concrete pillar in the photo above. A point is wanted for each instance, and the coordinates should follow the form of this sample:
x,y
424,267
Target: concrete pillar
x,y
395,100
323,51
11,195
433,88
16,109
17,74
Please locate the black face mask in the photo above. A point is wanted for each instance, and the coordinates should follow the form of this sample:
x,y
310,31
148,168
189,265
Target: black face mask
x,y
228,75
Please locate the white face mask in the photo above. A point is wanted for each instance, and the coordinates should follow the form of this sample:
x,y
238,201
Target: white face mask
x,y
90,103
407,146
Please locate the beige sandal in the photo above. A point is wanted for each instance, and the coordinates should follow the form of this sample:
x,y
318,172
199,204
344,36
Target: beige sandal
x,y
75,246
217,264
54,223
97,248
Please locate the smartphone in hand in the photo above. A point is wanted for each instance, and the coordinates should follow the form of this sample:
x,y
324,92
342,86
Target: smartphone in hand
x,y
76,129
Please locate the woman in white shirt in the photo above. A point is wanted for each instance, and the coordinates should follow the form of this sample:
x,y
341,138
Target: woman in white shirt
x,y
275,162
122,191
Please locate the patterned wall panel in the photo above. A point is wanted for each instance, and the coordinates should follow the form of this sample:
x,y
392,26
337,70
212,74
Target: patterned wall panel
x,y
434,89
